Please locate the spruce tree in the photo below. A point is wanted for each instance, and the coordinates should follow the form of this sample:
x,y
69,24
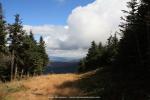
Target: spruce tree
x,y
4,72
3,32
108,52
91,58
43,52
16,34
32,36
130,71
35,54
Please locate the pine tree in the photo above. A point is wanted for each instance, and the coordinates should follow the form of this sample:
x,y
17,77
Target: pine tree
x,y
100,56
4,73
24,54
108,52
131,71
82,67
3,32
43,52
34,54
111,48
91,58
16,34
32,36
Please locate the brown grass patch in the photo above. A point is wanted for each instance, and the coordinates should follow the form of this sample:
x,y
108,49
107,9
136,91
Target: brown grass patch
x,y
42,87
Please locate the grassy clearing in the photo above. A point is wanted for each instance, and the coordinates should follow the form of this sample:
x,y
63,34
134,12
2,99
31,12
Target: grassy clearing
x,y
9,88
43,87
37,88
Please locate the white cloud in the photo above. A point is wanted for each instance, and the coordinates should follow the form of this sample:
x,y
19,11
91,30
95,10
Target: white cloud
x,y
94,21
47,29
53,35
78,53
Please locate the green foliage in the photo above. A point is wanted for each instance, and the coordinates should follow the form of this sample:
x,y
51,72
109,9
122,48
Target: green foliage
x,y
4,67
43,51
29,54
82,67
3,48
3,34
23,53
91,58
111,50
130,71
99,55
34,54
127,77
129,59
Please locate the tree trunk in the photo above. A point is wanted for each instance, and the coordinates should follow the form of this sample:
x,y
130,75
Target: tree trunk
x,y
28,75
12,65
16,72
21,74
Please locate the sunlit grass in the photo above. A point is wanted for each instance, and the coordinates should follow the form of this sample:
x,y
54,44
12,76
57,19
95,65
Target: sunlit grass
x,y
38,88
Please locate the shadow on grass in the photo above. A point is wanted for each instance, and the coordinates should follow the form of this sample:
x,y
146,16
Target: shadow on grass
x,y
89,85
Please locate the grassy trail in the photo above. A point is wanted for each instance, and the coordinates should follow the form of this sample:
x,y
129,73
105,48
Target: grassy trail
x,y
41,88
45,87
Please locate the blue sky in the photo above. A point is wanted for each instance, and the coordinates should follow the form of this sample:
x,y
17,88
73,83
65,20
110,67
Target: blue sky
x,y
37,12
67,26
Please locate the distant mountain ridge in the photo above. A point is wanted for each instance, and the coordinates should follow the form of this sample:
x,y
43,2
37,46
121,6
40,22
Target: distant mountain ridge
x,y
64,59
61,67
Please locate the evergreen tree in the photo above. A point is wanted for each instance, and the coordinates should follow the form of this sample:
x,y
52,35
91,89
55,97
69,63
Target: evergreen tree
x,y
31,35
4,73
111,48
82,67
24,54
91,58
3,32
16,34
131,71
108,52
43,52
99,55
28,49
34,54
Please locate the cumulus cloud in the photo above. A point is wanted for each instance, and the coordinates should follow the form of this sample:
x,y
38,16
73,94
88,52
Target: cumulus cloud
x,y
94,21
76,53
53,35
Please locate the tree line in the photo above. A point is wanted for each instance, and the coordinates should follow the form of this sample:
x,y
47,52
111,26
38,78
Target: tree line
x,y
125,62
20,53
99,55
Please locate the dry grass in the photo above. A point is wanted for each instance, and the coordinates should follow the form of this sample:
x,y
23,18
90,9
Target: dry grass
x,y
40,88
43,87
